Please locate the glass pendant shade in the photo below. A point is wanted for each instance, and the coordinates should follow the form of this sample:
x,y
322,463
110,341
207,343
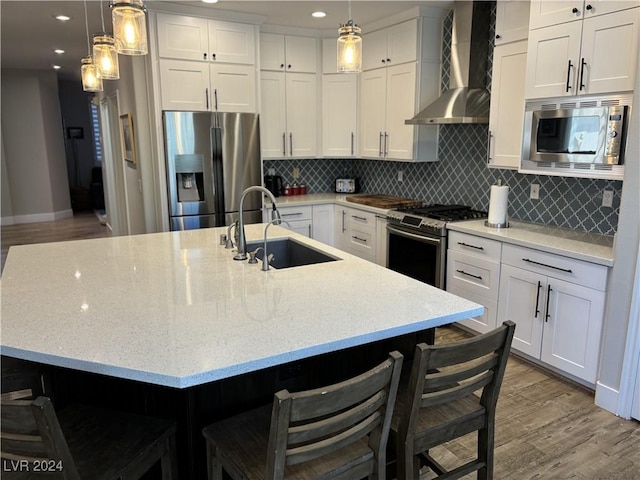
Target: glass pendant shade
x,y
105,57
130,27
349,48
90,80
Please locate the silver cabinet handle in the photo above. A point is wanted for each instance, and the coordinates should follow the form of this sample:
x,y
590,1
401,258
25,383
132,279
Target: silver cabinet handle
x,y
380,145
343,215
206,97
215,96
310,231
386,146
291,144
489,157
359,218
355,237
566,270
352,151
291,214
284,144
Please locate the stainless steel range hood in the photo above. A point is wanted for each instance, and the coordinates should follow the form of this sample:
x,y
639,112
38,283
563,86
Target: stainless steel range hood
x,y
467,100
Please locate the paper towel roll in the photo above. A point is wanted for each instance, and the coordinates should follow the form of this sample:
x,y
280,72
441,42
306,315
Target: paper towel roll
x,y
498,204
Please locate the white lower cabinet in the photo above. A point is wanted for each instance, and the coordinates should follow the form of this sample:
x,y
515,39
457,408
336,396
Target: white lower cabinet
x,y
473,272
313,221
322,226
557,304
298,219
360,233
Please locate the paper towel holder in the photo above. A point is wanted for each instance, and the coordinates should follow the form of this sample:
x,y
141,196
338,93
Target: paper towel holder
x,y
504,224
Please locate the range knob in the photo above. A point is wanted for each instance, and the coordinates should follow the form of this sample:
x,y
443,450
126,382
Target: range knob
x,y
613,134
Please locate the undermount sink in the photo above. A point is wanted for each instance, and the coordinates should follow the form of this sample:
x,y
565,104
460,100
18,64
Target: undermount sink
x,y
290,253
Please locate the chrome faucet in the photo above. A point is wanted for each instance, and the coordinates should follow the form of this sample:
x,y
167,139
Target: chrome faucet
x,y
242,239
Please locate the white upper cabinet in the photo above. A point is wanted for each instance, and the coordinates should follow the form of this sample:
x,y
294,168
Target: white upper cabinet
x,y
591,56
512,21
544,13
195,38
339,112
288,53
506,117
390,46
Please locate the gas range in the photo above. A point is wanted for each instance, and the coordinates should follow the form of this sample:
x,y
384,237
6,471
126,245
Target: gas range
x,y
432,219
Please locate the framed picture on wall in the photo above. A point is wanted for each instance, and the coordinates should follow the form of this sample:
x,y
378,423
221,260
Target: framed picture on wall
x,y
128,140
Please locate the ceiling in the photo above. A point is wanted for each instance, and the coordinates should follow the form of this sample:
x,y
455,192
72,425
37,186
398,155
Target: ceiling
x,y
29,32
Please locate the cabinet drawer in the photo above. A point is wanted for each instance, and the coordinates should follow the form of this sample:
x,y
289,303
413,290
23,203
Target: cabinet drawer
x,y
557,266
485,322
361,243
477,275
474,245
296,213
360,218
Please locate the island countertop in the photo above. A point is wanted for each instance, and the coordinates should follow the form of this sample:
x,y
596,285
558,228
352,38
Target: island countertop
x,y
175,309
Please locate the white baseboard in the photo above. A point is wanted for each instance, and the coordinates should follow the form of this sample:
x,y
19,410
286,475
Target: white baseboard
x,y
607,398
37,217
6,221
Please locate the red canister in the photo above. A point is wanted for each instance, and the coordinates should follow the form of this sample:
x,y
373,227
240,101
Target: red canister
x,y
295,189
286,190
303,189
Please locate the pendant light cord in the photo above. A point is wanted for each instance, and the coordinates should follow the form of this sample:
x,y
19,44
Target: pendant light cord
x,y
86,23
102,17
350,17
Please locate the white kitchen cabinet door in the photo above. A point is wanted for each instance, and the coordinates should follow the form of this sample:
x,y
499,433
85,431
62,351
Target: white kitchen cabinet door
x,y
182,37
272,52
402,43
301,105
185,85
233,88
323,223
232,42
340,227
521,299
375,54
301,54
288,53
401,105
609,52
373,92
506,117
553,61
273,121
544,13
571,338
512,21
339,112
485,322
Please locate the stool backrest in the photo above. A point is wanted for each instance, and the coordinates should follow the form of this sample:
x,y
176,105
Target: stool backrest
x,y
307,425
31,433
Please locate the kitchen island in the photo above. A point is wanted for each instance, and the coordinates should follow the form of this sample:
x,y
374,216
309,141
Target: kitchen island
x,y
175,312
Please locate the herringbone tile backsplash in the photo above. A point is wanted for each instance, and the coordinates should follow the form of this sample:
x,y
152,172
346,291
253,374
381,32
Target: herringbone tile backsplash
x,y
461,176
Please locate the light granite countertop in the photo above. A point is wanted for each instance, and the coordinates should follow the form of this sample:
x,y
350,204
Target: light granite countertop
x,y
590,247
323,198
175,309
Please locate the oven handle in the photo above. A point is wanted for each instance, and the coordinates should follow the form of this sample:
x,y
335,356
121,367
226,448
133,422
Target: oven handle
x,y
421,238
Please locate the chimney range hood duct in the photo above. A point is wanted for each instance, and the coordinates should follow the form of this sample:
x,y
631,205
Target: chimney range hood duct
x,y
467,100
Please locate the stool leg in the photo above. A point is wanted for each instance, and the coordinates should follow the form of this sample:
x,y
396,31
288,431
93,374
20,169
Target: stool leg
x,y
214,467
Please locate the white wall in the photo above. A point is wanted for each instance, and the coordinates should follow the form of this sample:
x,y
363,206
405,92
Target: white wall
x,y
33,148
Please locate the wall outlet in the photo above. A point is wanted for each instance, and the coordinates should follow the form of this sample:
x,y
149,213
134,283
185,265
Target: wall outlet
x,y
400,176
607,198
296,173
534,192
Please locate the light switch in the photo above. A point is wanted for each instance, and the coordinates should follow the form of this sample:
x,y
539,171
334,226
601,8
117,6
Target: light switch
x,y
607,198
400,176
534,193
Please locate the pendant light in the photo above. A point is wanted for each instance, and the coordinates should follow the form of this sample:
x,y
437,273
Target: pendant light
x,y
129,27
349,47
105,54
90,80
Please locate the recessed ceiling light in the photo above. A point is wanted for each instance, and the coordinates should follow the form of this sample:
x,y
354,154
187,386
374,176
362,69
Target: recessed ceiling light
x,y
62,18
318,14
210,1
57,67
59,51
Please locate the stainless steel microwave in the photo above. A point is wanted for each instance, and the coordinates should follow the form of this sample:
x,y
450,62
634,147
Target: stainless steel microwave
x,y
583,131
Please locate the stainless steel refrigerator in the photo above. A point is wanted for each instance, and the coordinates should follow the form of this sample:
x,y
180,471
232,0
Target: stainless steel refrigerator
x,y
211,158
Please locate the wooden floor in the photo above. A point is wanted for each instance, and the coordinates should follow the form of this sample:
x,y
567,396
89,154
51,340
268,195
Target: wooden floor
x,y
82,225
547,428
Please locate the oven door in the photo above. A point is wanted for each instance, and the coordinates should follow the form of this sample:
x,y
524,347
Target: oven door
x,y
416,255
